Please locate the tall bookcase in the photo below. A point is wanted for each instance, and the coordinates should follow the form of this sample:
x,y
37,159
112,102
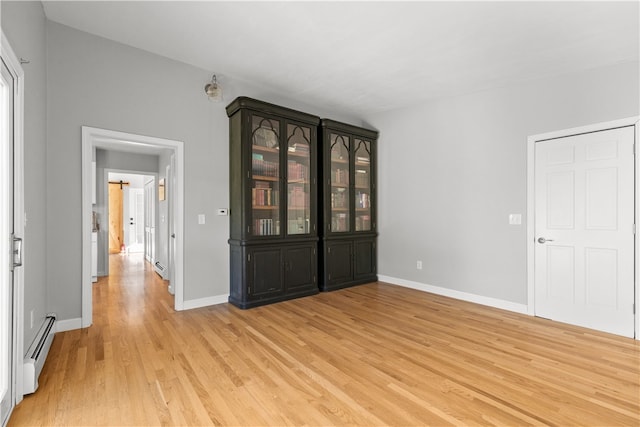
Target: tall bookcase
x,y
348,205
273,203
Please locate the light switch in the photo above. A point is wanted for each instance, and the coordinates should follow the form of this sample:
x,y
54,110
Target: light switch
x,y
515,219
201,219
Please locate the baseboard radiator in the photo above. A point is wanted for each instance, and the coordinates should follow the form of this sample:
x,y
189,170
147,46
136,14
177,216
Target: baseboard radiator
x,y
37,354
160,268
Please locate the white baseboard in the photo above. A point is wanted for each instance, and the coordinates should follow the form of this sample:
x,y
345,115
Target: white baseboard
x,y
464,296
204,302
68,324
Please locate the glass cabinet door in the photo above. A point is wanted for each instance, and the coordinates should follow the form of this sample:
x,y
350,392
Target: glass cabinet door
x,y
362,184
265,179
339,181
298,181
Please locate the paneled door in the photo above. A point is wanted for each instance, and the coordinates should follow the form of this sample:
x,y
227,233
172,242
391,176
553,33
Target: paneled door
x,y
584,230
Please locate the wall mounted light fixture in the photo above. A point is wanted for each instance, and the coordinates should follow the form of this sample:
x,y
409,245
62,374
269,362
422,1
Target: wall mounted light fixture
x,y
213,90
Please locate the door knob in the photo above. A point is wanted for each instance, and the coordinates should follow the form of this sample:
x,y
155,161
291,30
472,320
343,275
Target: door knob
x,y
543,240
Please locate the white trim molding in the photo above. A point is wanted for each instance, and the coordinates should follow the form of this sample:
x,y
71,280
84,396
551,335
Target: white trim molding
x,y
205,302
19,223
531,141
109,139
68,324
451,293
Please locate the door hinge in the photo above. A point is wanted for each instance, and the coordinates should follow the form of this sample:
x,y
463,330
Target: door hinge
x,y
314,251
248,174
248,257
329,250
314,279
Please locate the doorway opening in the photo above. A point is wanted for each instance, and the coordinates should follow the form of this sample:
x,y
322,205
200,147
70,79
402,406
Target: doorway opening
x,y
131,213
112,143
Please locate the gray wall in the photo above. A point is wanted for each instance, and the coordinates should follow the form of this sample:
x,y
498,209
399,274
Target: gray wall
x,y
24,25
95,82
451,171
111,159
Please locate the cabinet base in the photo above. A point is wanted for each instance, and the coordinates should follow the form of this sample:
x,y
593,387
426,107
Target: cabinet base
x,y
336,286
243,304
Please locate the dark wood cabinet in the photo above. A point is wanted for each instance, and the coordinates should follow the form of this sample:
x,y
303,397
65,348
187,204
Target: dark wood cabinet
x,y
273,241
348,205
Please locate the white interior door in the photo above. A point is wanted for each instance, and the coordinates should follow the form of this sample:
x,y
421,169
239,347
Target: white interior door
x,y
584,230
149,220
6,241
135,220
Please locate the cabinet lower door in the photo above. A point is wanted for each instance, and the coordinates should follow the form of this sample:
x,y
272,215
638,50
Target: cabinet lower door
x,y
338,263
300,268
365,259
265,272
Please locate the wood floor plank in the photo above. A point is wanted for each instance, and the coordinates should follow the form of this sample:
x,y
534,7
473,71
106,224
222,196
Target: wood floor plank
x,y
371,355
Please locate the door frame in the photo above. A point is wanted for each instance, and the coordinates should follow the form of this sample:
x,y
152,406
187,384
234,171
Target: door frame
x,y
19,217
93,138
531,141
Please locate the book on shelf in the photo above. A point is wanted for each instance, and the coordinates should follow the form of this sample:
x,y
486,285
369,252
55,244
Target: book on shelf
x,y
363,223
297,171
339,176
264,167
266,227
362,200
263,195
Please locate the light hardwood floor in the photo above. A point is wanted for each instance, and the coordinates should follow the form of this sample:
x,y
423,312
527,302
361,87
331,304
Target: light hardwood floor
x,y
371,355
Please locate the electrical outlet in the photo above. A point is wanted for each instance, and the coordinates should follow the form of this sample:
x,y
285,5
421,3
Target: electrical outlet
x,y
419,265
32,319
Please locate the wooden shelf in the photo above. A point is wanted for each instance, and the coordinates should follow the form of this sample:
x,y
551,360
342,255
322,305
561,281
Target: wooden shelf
x,y
265,178
339,185
297,181
339,161
363,210
265,208
265,149
339,209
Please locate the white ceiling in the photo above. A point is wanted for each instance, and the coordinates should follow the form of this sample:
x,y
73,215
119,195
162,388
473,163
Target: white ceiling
x,y
366,57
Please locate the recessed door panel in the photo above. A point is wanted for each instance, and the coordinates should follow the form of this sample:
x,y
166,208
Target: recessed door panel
x,y
601,188
300,267
265,266
560,200
561,273
365,258
338,261
601,277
